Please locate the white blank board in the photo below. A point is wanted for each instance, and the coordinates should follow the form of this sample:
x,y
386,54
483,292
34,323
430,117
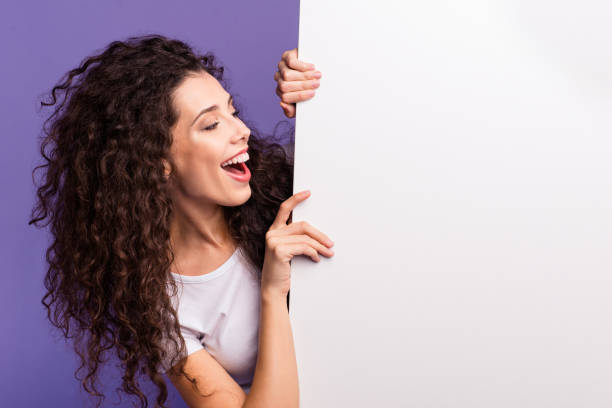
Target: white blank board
x,y
459,155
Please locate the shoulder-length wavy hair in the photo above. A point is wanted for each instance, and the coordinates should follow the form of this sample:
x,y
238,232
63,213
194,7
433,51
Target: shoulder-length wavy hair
x,y
105,196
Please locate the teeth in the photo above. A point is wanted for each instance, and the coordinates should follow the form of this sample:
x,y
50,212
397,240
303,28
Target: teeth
x,y
239,159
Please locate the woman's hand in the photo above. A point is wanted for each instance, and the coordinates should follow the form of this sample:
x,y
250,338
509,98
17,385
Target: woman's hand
x,y
284,241
296,80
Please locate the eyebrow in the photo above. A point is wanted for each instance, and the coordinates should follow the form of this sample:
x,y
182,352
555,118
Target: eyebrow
x,y
210,108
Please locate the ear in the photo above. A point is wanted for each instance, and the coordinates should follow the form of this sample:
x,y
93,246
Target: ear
x,y
167,168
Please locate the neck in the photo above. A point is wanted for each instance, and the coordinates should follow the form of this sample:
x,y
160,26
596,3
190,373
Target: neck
x,y
196,229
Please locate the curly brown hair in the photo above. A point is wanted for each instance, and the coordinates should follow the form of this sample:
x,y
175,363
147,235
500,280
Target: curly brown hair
x,y
107,200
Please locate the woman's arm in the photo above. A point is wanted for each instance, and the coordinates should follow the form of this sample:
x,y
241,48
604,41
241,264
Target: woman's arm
x,y
275,383
215,387
275,380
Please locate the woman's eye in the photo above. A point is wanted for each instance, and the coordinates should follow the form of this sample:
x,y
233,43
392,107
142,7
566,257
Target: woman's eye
x,y
214,125
211,127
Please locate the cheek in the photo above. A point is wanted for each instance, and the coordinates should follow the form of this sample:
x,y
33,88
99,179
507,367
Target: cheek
x,y
200,161
200,167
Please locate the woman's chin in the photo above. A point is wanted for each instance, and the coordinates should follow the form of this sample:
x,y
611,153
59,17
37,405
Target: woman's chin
x,y
241,197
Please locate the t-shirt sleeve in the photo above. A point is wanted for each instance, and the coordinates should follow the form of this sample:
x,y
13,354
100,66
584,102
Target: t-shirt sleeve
x,y
192,344
192,339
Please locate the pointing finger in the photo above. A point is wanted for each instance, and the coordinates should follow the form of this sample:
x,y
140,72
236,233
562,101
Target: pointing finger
x,y
286,207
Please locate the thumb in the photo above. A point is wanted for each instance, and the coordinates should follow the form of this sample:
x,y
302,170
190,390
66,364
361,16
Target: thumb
x,y
285,107
289,111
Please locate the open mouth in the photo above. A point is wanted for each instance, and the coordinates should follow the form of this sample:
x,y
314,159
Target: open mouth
x,y
237,168
238,171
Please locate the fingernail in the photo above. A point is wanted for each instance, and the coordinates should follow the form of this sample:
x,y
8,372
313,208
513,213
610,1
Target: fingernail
x,y
310,93
318,74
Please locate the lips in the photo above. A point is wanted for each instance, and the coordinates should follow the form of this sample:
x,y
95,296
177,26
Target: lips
x,y
243,174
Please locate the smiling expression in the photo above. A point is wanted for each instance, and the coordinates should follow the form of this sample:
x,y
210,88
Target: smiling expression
x,y
207,133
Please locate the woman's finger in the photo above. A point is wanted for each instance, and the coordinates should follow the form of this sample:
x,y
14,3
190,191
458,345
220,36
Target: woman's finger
x,y
303,249
298,76
299,228
292,86
284,252
281,238
286,207
289,74
288,108
290,57
294,97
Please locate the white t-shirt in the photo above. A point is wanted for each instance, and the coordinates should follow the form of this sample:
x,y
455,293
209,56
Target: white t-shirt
x,y
219,311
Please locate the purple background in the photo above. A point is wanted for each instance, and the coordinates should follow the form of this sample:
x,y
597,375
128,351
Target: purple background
x,y
41,41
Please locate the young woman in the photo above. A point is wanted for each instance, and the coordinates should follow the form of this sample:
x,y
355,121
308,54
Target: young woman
x,y
165,251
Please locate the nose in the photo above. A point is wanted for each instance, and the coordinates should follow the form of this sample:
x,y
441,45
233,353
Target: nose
x,y
244,132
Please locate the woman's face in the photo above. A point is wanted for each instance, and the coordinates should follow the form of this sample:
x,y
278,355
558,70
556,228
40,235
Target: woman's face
x,y
202,141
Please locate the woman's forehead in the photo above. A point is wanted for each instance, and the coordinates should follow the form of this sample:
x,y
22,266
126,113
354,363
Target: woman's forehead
x,y
197,92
